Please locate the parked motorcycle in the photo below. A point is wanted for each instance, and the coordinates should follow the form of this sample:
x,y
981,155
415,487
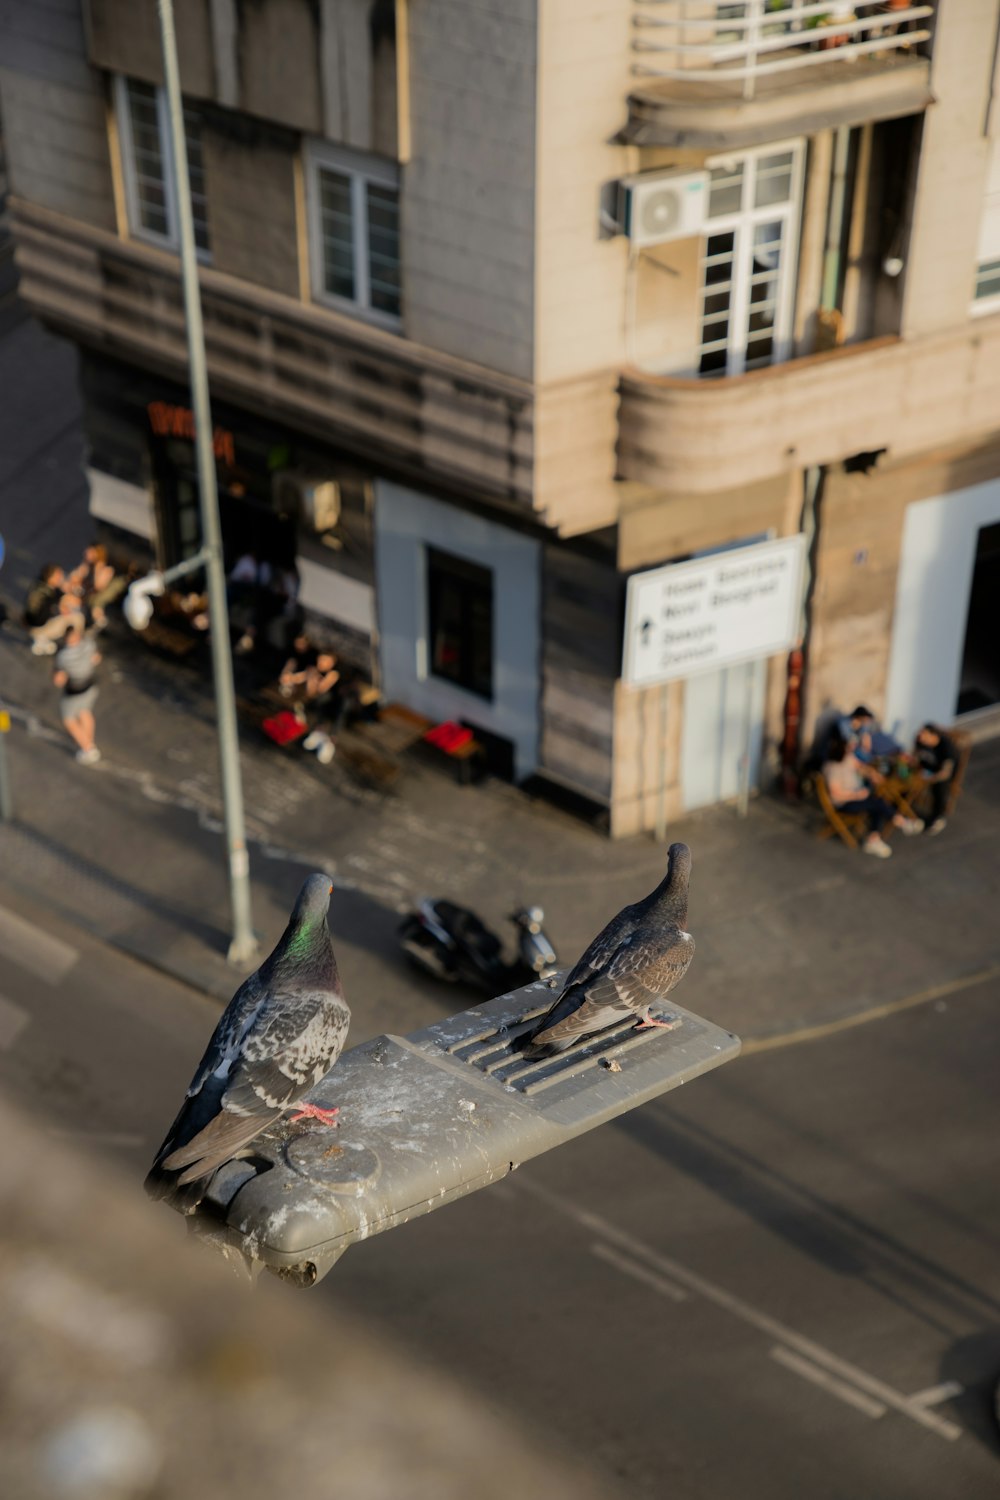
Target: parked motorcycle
x,y
451,943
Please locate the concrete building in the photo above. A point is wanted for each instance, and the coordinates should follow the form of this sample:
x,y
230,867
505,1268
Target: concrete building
x,y
506,303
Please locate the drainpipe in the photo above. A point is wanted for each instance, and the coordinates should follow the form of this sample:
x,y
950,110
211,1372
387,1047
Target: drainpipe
x,y
791,744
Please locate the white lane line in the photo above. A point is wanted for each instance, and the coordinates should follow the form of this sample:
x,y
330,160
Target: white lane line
x,y
935,1394
830,1383
13,1020
594,1224
31,948
639,1273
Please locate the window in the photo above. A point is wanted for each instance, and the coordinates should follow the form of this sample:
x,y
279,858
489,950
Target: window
x,y
986,289
147,162
748,260
354,232
460,621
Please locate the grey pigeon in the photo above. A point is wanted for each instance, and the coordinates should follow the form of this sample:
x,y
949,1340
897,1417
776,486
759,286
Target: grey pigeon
x,y
637,959
279,1035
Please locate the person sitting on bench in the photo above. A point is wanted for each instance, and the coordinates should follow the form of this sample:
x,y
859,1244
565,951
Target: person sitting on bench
x,y
850,792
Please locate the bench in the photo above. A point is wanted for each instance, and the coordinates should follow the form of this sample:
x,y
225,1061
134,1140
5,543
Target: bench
x,y
175,642
398,728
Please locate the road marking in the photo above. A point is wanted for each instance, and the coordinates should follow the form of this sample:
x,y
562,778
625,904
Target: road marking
x,y
639,1273
874,1013
838,1388
13,1020
935,1394
775,1330
31,948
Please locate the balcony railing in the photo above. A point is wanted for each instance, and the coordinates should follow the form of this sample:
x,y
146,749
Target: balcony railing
x,y
711,42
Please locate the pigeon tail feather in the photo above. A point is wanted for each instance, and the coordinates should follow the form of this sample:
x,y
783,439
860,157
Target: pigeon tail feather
x,y
220,1139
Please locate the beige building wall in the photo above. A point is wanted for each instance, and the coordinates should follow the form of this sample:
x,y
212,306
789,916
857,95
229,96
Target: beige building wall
x,y
468,192
861,533
583,82
954,162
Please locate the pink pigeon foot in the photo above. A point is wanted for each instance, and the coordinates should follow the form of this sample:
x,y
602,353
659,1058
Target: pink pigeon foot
x,y
651,1021
313,1112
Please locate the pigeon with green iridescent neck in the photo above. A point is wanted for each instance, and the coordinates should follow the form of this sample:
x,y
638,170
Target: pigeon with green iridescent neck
x,y
281,1033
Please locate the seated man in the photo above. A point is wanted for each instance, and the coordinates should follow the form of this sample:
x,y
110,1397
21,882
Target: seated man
x,y
322,702
96,583
50,610
294,674
846,778
869,741
938,760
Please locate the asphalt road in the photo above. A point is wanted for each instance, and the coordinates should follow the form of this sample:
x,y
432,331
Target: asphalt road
x,y
782,1282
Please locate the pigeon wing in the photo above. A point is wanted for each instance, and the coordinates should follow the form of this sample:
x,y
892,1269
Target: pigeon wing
x,y
640,972
293,1046
604,946
295,1041
647,967
204,1093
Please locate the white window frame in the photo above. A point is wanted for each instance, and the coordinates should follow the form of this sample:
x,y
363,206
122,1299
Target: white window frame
x,y
988,253
361,168
982,306
741,225
172,239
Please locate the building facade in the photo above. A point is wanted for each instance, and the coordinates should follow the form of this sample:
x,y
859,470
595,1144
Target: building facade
x,y
507,303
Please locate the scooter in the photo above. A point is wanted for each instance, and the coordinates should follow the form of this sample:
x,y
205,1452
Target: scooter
x,y
454,945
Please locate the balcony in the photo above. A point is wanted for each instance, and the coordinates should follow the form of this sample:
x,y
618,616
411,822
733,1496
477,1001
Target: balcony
x,y
696,437
718,76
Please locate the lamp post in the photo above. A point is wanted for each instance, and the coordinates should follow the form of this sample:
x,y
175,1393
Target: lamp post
x,y
243,947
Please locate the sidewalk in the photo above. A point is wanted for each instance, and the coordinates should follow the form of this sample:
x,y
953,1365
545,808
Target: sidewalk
x,y
791,932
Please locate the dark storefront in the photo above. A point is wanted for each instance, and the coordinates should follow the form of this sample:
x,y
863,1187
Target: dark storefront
x,y
282,496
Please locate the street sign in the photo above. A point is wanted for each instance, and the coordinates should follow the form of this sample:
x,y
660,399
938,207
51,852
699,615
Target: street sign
x,y
698,616
430,1117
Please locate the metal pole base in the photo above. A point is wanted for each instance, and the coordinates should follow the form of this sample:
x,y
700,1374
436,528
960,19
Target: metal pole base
x,y
243,952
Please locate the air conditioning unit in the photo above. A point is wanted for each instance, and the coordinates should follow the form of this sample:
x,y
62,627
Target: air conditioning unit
x,y
654,207
312,501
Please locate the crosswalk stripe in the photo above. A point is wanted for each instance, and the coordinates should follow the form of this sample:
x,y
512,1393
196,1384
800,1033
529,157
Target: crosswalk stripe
x,y
31,948
13,1020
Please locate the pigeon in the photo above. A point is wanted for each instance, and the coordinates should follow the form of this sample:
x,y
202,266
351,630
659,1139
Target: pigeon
x,y
279,1035
638,958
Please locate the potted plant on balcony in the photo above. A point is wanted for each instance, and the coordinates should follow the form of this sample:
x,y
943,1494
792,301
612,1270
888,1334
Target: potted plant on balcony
x,y
839,13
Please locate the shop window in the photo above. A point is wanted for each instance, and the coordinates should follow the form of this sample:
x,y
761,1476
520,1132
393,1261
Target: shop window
x,y
354,232
147,166
460,622
748,260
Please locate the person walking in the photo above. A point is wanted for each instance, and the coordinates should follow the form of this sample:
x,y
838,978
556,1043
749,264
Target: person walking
x,y
75,666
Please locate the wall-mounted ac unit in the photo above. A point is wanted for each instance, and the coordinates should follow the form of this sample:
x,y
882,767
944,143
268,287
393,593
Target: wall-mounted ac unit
x,y
313,502
657,206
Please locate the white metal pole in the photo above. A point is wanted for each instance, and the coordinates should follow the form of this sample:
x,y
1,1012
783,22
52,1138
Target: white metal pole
x,y
243,946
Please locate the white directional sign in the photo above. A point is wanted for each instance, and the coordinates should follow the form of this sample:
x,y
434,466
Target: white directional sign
x,y
699,616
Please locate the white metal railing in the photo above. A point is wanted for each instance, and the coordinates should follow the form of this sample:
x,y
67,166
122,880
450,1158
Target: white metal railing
x,y
718,41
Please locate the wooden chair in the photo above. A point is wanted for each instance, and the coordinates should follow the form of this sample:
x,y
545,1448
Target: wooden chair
x,y
840,823
963,744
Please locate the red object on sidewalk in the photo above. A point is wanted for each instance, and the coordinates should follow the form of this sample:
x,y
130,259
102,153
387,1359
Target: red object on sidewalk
x,y
284,727
448,736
